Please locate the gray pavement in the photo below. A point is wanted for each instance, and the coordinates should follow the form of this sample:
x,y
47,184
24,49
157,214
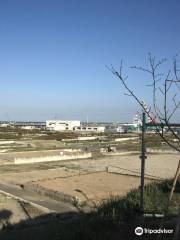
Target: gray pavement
x,y
35,198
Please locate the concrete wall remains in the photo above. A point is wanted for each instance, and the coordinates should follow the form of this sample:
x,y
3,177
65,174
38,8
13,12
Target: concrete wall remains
x,y
26,160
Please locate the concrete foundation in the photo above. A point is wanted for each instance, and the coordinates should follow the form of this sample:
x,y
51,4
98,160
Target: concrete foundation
x,y
26,160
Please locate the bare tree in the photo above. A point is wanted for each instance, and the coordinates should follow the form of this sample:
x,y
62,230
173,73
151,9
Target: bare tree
x,y
165,85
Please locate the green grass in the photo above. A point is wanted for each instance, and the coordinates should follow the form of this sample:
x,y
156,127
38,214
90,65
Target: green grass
x,y
155,201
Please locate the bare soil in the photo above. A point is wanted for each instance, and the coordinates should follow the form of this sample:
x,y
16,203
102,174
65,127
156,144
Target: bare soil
x,y
95,186
13,211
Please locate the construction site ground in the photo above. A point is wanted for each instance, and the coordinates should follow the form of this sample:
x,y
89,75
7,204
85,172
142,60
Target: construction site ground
x,y
86,180
79,174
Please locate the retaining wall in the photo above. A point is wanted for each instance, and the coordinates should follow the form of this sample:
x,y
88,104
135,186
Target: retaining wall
x,y
126,139
6,142
58,196
151,150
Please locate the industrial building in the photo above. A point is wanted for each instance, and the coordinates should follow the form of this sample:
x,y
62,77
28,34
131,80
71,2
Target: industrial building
x,y
116,129
24,125
90,128
62,125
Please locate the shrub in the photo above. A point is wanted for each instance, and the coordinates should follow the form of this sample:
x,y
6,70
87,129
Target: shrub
x,y
117,209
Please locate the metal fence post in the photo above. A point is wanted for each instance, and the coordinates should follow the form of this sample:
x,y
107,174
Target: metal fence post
x,y
142,157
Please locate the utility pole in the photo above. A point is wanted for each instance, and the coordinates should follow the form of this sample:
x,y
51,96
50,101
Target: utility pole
x,y
142,157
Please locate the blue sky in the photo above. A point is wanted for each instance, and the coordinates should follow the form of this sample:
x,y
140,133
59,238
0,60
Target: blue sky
x,y
53,55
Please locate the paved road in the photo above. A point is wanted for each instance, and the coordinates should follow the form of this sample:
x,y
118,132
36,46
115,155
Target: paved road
x,y
36,198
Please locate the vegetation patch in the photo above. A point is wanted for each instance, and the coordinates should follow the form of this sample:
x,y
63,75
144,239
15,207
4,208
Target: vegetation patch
x,y
115,218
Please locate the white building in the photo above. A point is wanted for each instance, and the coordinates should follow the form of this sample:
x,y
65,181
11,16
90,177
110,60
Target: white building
x,y
90,128
28,127
61,125
116,129
137,120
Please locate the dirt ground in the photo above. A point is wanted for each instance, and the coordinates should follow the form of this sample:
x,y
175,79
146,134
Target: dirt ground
x,y
64,177
157,165
23,177
13,211
95,186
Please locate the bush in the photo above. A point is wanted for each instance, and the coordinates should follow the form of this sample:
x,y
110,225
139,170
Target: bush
x,y
118,209
167,184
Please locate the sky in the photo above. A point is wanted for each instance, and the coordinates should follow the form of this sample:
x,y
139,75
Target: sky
x,y
54,53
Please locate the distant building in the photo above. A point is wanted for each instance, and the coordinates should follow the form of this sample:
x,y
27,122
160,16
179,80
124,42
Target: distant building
x,y
64,125
28,125
115,129
24,125
90,128
137,120
61,125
